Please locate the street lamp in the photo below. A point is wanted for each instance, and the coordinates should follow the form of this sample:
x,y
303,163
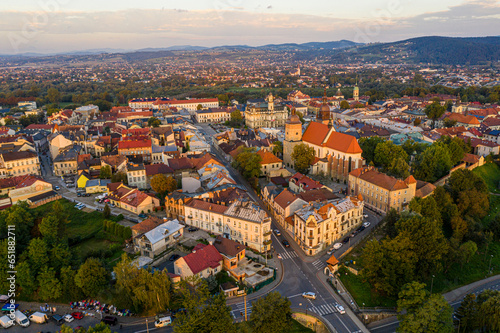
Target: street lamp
x,y
489,268
432,282
147,326
363,306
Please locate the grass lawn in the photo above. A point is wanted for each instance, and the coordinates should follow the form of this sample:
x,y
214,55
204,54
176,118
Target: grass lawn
x,y
490,172
362,291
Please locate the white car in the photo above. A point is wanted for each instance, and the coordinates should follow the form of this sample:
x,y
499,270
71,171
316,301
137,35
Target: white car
x,y
309,294
279,256
366,224
340,308
365,216
277,232
68,318
337,246
330,251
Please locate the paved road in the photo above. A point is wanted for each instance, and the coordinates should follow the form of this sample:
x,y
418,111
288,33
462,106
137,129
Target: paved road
x,y
390,325
301,273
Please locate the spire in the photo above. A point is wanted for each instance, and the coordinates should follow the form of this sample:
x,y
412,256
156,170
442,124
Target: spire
x,y
324,97
293,110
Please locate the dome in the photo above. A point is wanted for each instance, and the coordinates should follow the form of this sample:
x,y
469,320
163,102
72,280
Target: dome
x,y
294,119
324,108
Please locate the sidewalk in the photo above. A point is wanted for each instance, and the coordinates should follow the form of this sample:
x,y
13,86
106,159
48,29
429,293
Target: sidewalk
x,y
458,293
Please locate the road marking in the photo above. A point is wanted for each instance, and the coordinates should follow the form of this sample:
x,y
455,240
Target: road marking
x,y
294,296
319,264
324,309
289,255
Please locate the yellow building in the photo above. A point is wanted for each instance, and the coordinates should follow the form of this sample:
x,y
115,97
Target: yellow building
x,y
266,114
19,163
28,187
380,191
269,164
320,224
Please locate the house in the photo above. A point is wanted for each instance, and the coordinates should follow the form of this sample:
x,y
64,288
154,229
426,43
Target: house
x,y
285,204
136,175
136,147
27,187
66,162
19,163
463,120
97,185
82,179
380,191
232,253
159,239
202,262
301,183
270,164
482,147
133,200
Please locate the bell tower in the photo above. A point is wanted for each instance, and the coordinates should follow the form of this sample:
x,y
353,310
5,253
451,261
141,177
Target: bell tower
x,y
293,136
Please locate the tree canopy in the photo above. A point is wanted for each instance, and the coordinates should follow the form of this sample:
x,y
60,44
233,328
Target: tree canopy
x,y
302,156
247,161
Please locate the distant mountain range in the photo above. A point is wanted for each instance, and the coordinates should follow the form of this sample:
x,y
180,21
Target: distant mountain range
x,y
432,49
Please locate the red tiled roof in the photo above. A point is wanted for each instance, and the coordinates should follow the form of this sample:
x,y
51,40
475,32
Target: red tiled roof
x,y
306,182
267,157
207,206
316,133
134,144
285,198
203,257
154,169
147,225
460,118
382,180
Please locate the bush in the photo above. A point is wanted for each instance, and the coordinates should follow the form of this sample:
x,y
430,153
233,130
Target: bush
x,y
127,234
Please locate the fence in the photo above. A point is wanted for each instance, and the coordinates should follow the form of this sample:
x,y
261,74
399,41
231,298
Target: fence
x,y
262,284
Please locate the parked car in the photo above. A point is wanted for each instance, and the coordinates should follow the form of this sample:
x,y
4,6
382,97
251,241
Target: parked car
x,y
4,298
330,251
57,319
340,308
109,320
279,256
309,294
337,246
56,188
39,318
354,233
78,194
142,215
174,257
277,232
164,321
192,229
77,315
68,318
366,224
361,228
346,240
365,216
285,243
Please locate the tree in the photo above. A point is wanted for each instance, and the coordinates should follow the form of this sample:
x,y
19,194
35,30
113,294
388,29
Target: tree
x,y
389,222
344,105
417,122
399,168
38,255
236,116
385,154
162,184
19,216
435,162
107,211
467,250
49,229
271,314
368,145
154,122
302,156
68,286
301,117
247,161
91,277
489,306
467,313
199,107
449,122
434,111
50,287
119,177
53,95
25,279
470,193
423,314
278,148
60,256
105,172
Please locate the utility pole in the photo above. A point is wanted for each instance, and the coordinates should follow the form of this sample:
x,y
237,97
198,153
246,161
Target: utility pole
x,y
245,299
147,326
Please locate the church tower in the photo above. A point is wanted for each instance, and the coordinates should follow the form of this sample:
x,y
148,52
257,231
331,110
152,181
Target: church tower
x,y
270,102
293,136
355,92
324,114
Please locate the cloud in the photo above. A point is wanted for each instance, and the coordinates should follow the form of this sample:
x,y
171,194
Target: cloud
x,y
61,31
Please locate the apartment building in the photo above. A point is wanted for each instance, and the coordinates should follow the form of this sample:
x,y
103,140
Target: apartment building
x,y
243,221
380,191
320,224
136,176
19,163
66,163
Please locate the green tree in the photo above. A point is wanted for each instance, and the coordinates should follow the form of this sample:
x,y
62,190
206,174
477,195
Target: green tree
x,y
53,95
435,162
271,314
68,286
49,229
387,152
489,305
302,156
277,148
21,218
119,177
467,251
447,122
91,277
199,107
247,161
434,111
60,256
344,105
368,145
470,193
38,255
429,314
389,222
154,122
25,279
236,116
49,286
468,314
399,168
105,172
107,211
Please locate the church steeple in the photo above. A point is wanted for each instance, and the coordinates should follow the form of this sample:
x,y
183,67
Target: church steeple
x,y
324,111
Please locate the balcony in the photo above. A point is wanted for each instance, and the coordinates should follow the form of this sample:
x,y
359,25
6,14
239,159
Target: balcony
x,y
267,242
267,233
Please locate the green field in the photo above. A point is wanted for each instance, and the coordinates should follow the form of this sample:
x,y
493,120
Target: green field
x,y
490,172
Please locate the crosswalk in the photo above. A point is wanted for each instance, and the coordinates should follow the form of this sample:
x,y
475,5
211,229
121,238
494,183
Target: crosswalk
x,y
319,264
240,310
324,309
288,255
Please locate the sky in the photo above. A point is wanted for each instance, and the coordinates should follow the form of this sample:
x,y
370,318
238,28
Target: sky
x,y
51,26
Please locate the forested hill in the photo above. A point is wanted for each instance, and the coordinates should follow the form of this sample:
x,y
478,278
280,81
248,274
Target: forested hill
x,y
433,49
